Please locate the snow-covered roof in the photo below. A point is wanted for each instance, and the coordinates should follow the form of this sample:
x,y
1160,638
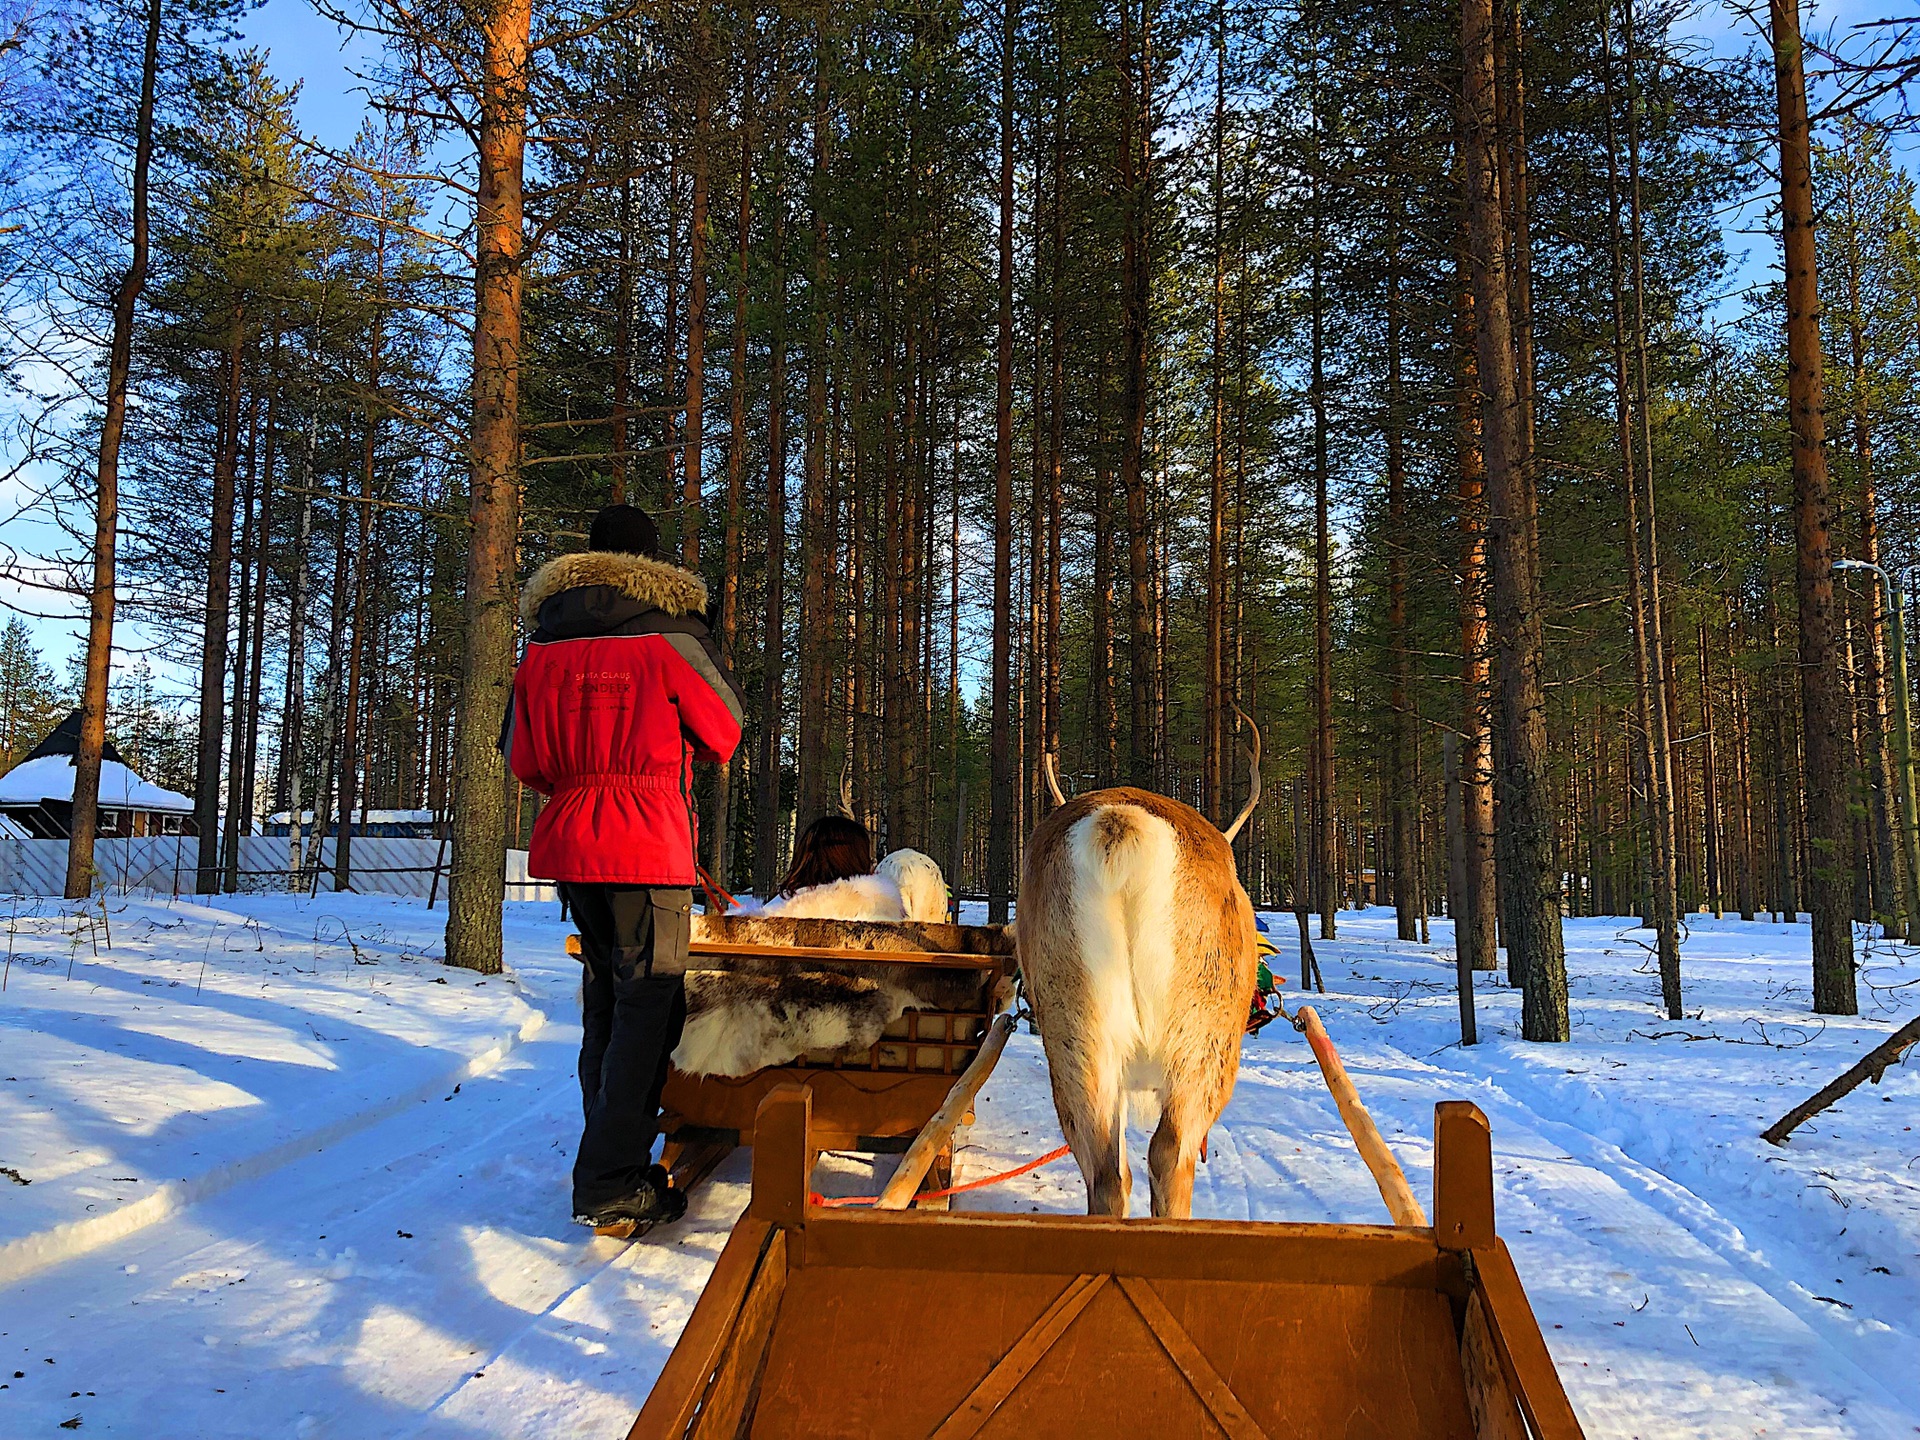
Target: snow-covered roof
x,y
364,817
51,778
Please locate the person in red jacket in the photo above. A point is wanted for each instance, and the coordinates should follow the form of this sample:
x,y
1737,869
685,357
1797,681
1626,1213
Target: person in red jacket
x,y
619,692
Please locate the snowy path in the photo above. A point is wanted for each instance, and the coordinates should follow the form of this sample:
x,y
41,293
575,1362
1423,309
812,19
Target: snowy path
x,y
410,1271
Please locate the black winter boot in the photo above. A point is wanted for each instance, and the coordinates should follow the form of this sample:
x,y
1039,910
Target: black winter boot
x,y
654,1203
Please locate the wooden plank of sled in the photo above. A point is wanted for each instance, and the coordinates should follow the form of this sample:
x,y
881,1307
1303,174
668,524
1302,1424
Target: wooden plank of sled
x,y
849,1106
721,949
731,1393
1358,1359
939,1130
1503,1355
689,1164
1028,1351
862,1354
1222,1404
683,1381
1521,1347
1299,1254
1496,1416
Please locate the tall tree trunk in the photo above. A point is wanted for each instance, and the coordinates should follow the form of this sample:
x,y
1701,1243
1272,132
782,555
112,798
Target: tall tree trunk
x,y
351,742
1475,927
623,334
1746,855
690,500
813,749
85,824
1106,720
1532,885
1650,709
293,710
1056,398
1782,750
1405,800
773,663
1136,107
1896,907
262,552
1326,875
719,805
1664,707
1000,840
213,645
1214,748
236,739
476,887
1822,700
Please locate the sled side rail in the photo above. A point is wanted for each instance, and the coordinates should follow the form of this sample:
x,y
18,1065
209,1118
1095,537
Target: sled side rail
x,y
1498,1318
713,1350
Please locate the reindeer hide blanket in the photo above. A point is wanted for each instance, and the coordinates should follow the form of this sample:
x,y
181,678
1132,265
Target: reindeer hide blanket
x,y
740,1021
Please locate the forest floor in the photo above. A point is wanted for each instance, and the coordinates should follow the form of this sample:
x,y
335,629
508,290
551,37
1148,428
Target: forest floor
x,y
267,1168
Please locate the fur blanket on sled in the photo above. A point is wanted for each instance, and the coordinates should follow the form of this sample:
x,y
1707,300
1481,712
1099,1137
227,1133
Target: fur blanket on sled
x,y
739,1021
906,885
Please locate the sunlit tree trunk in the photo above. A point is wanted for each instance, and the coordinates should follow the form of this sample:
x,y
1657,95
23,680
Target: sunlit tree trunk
x,y
1822,700
106,505
1532,885
476,886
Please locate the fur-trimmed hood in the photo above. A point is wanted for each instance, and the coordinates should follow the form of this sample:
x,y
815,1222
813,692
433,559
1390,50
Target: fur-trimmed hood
x,y
647,582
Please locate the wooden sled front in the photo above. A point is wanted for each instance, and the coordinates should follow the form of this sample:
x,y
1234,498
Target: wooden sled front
x,y
833,1323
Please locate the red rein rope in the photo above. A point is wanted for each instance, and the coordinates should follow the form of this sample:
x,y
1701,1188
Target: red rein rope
x,y
718,900
839,1201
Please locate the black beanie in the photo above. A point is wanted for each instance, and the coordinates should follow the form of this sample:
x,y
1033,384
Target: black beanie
x,y
624,529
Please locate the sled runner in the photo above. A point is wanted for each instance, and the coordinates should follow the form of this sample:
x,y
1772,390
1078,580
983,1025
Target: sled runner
x,y
874,1099
833,1323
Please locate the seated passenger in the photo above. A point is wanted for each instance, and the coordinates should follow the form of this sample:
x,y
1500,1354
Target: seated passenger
x,y
832,877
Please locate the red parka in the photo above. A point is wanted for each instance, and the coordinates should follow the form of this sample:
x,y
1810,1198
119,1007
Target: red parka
x,y
619,692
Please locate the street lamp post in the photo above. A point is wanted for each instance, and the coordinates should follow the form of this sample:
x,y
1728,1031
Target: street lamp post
x,y
1902,729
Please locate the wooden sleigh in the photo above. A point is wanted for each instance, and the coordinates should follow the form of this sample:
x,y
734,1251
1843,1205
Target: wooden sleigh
x,y
824,1323
874,1100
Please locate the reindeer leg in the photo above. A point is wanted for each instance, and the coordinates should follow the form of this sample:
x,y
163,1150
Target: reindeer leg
x,y
1093,1117
1175,1150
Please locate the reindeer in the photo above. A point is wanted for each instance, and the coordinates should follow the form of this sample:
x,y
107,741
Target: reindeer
x,y
1136,943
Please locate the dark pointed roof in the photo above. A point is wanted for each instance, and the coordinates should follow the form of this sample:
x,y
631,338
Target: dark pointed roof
x,y
64,739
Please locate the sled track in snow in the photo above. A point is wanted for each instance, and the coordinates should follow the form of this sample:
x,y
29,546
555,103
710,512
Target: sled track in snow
x,y
29,1254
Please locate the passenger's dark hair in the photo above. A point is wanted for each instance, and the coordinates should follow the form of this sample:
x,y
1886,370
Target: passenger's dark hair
x,y
831,848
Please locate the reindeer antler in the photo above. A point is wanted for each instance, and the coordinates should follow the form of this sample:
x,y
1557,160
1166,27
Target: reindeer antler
x,y
1052,775
846,790
1253,794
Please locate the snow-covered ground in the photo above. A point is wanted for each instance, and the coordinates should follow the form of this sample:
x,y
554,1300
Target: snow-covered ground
x,y
267,1168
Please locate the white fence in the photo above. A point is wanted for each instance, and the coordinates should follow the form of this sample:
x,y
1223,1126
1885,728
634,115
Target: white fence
x,y
166,864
